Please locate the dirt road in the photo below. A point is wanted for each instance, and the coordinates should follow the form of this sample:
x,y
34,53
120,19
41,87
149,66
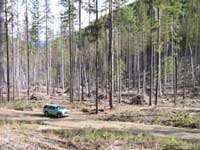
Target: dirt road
x,y
79,120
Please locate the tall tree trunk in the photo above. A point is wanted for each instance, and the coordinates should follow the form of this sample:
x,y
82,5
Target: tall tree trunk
x,y
173,66
62,67
157,80
138,70
158,62
18,55
151,53
119,66
7,51
159,55
192,66
13,58
81,52
165,68
50,66
129,64
97,58
2,79
144,64
71,55
110,55
89,49
46,46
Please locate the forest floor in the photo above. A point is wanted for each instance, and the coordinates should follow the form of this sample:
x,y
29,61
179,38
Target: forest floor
x,y
23,126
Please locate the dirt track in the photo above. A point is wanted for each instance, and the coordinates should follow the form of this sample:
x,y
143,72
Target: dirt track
x,y
79,120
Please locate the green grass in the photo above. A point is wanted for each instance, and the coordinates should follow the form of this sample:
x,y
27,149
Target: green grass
x,y
183,120
128,140
93,135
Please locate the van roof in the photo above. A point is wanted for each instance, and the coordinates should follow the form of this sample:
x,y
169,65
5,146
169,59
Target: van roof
x,y
54,105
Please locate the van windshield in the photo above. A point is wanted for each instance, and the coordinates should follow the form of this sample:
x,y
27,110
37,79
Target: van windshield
x,y
60,107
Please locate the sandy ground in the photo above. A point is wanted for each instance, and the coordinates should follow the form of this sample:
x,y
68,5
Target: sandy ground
x,y
28,132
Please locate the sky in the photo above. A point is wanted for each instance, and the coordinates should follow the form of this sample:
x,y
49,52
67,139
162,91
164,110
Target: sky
x,y
56,10
55,7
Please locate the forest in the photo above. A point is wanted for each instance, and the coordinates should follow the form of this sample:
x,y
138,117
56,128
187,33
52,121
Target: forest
x,y
128,71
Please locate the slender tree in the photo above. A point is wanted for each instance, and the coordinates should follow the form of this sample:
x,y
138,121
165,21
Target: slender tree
x,y
46,46
81,51
110,55
27,49
2,80
97,57
7,51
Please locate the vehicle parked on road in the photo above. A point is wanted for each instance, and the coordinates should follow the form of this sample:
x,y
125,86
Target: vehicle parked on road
x,y
55,110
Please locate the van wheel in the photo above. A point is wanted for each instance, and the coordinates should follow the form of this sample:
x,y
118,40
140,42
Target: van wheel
x,y
46,114
59,115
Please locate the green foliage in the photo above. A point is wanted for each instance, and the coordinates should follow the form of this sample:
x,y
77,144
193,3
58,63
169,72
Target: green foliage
x,y
172,143
35,24
183,120
122,65
127,16
68,12
169,64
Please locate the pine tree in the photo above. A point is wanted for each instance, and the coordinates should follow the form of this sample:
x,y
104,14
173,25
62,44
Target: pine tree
x,y
35,38
68,16
47,11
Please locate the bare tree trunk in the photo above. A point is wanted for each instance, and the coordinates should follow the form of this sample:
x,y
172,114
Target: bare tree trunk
x,y
158,63
18,55
173,66
157,80
192,65
81,52
119,66
129,67
138,70
151,54
7,52
50,66
165,68
13,59
110,56
71,55
47,50
159,56
145,65
63,68
2,79
27,44
97,58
